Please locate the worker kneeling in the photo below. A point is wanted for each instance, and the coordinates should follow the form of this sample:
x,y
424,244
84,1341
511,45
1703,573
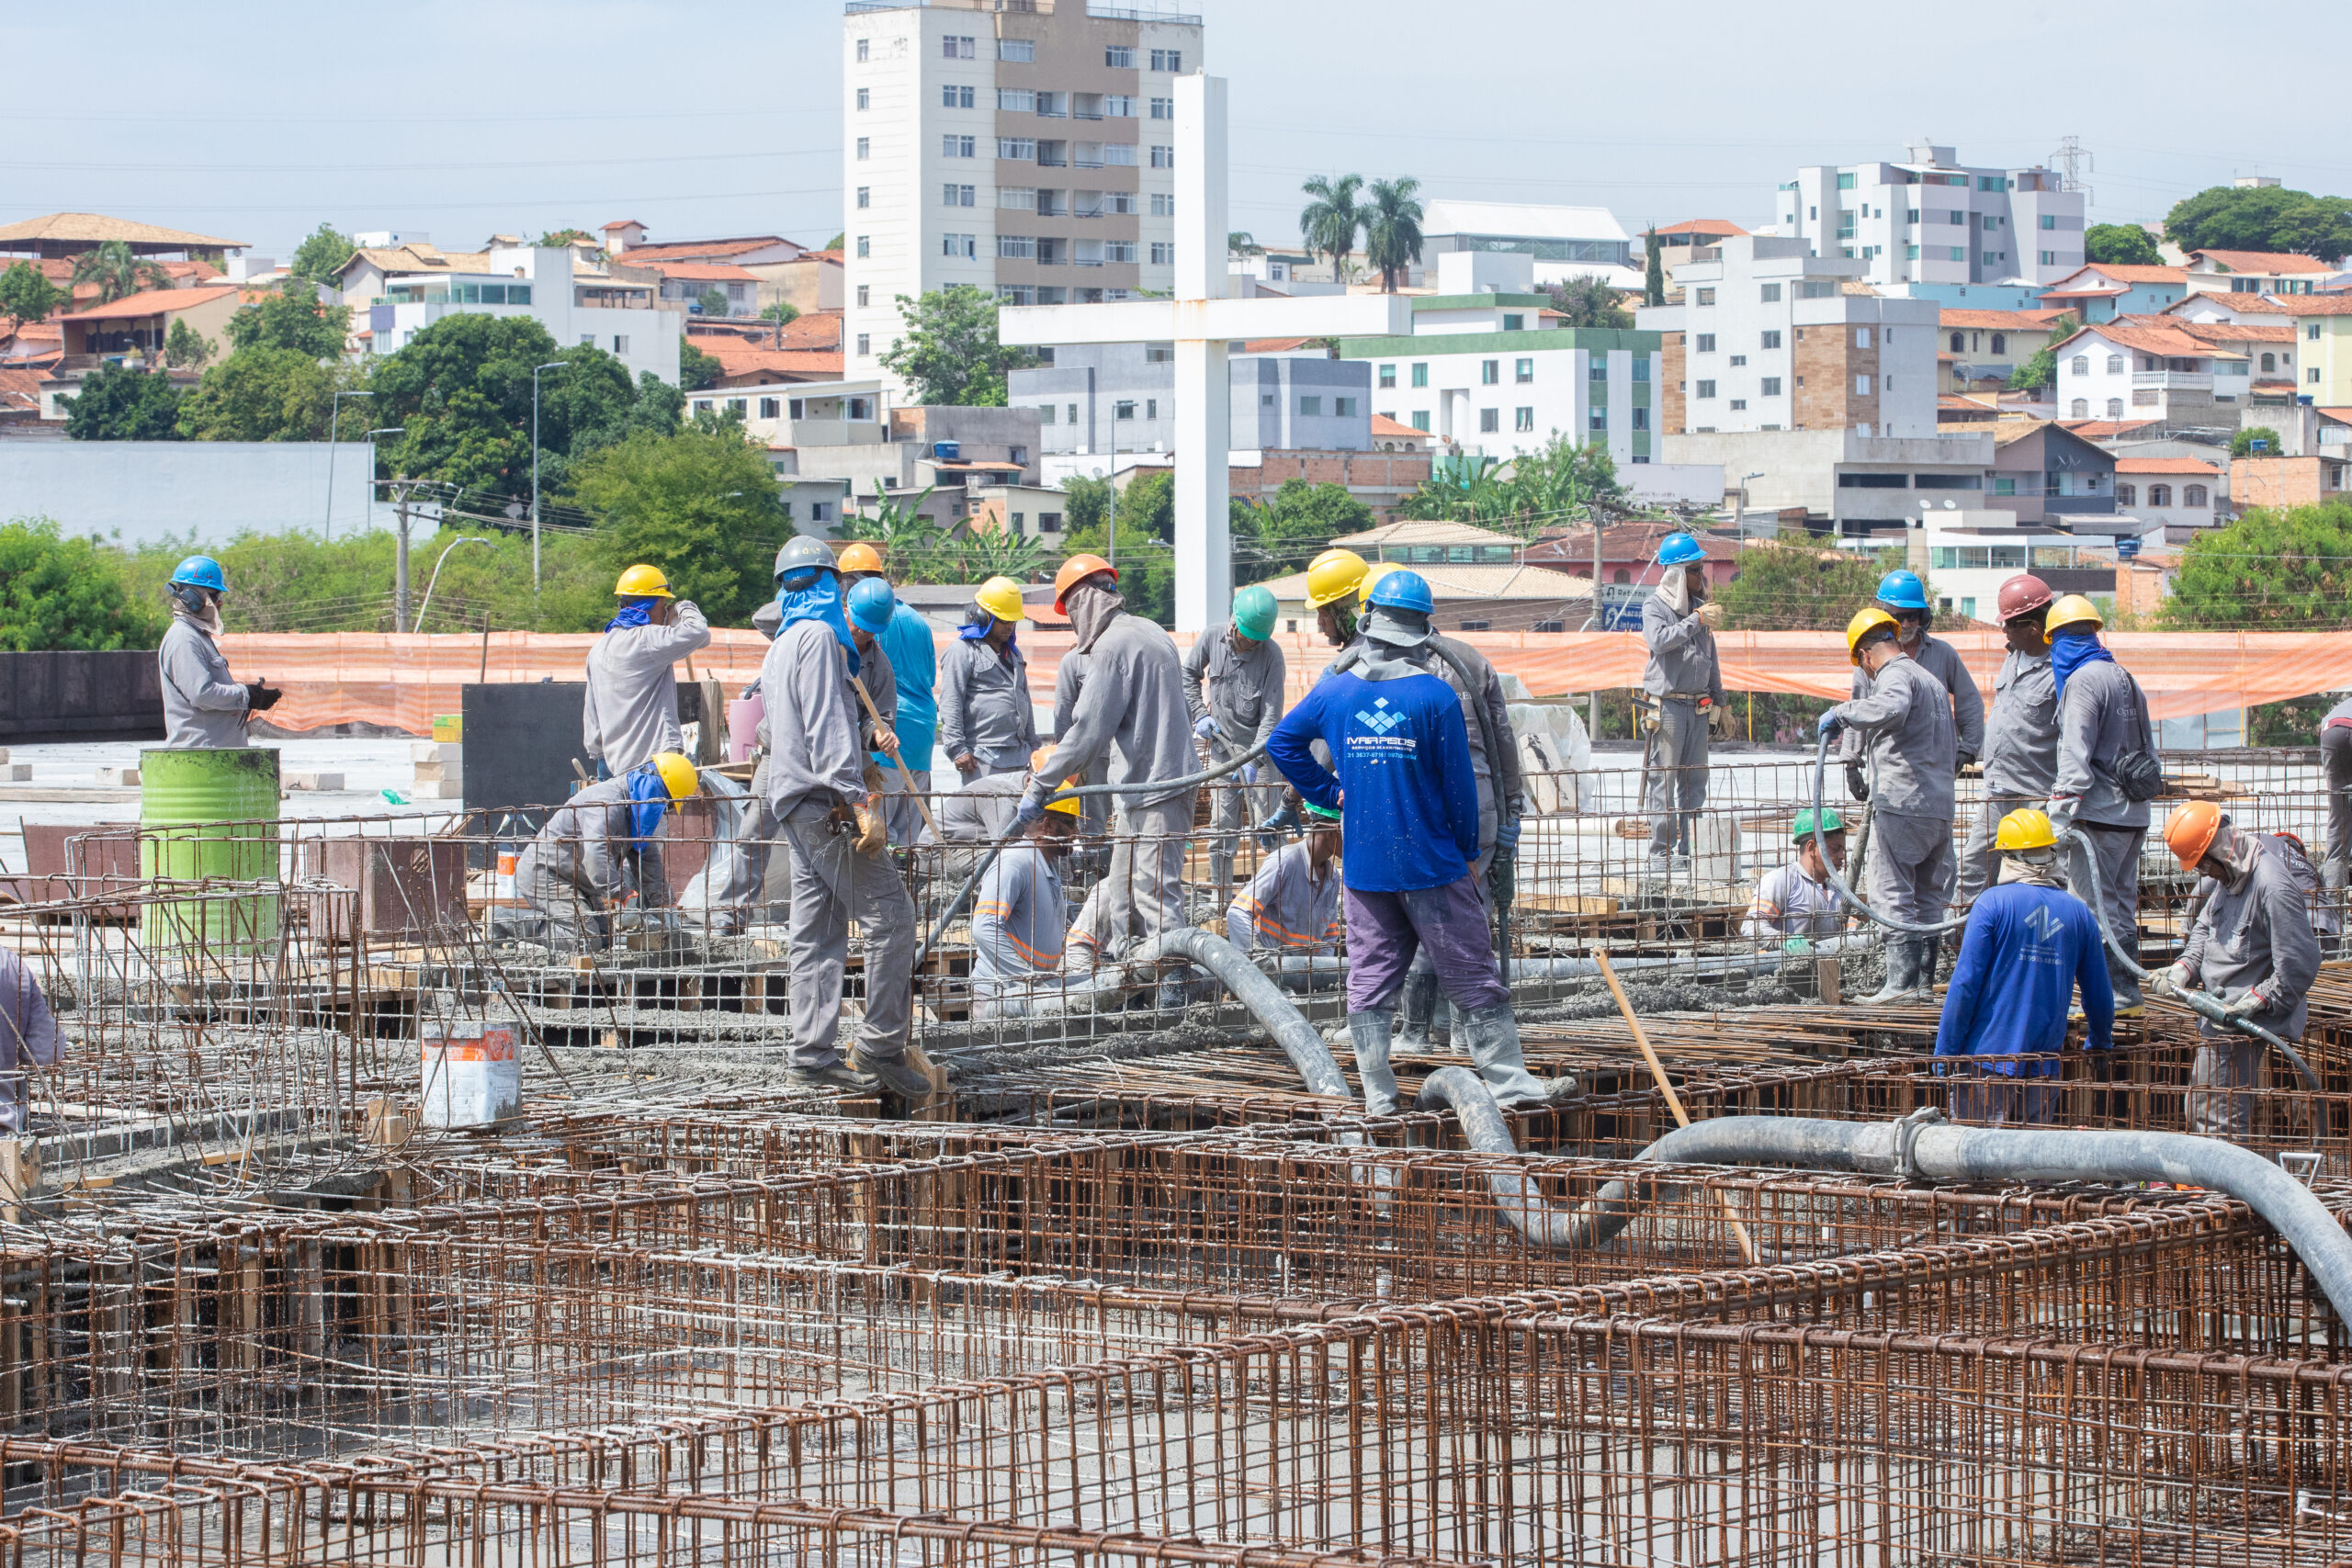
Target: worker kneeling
x,y
597,852
1796,904
2251,948
1291,907
1019,918
2028,945
1409,801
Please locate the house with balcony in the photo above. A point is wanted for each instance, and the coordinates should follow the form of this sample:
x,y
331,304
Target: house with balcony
x,y
131,330
1968,554
2042,470
2147,369
414,289
2101,291
2256,272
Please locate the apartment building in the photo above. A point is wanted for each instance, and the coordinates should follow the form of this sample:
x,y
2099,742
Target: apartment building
x,y
1105,399
1026,147
1929,219
406,289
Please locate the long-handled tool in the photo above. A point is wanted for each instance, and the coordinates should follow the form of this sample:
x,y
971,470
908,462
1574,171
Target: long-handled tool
x,y
876,715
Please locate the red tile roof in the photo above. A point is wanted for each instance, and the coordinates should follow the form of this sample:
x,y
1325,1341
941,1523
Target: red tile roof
x,y
154,302
1275,345
698,272
2226,331
2105,428
620,223
1703,226
20,388
2166,466
746,363
1384,425
2002,321
2311,304
694,250
2159,335
2276,263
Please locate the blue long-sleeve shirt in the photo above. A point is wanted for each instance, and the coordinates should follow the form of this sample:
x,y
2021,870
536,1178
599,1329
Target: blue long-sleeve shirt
x,y
2025,951
914,661
1404,786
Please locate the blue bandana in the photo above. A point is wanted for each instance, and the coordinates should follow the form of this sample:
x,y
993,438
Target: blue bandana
x,y
2070,650
977,624
636,613
820,601
648,798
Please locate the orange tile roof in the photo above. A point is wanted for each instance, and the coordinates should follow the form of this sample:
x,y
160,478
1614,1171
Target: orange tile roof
x,y
620,223
2244,304
154,302
2276,263
742,364
2169,337
1703,226
2227,331
1275,345
1384,425
2166,466
2312,304
2002,321
20,388
2105,428
699,272
693,250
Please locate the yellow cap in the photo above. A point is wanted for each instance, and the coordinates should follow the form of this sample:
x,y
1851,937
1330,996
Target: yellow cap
x,y
642,581
678,775
860,556
1333,576
1865,622
2025,829
1372,576
1068,808
1000,597
2071,610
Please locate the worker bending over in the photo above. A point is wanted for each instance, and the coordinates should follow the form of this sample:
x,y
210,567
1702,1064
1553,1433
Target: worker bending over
x,y
1796,903
986,725
2028,947
631,708
2022,735
1019,915
2251,948
1902,596
2336,777
1242,669
2106,774
912,656
1905,721
826,798
29,1036
1404,785
202,708
1678,623
1291,908
597,854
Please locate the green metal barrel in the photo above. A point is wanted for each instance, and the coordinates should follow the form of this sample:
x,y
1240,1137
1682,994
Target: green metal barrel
x,y
209,815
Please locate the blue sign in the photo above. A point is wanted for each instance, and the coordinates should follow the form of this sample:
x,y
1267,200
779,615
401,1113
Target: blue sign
x,y
2126,549
1620,606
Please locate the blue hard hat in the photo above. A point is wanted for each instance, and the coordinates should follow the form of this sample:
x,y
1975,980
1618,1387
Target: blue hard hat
x,y
1403,590
871,604
1680,549
1901,589
199,571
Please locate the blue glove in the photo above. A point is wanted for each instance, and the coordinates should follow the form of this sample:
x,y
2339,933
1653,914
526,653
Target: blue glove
x,y
1797,946
1249,773
1207,728
1507,835
1831,723
1031,810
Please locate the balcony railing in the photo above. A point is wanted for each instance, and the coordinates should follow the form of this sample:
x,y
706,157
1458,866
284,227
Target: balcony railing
x,y
1021,8
2174,380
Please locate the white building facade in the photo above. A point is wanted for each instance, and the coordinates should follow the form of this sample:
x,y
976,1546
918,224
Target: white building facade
x,y
1564,243
624,320
1929,219
1030,152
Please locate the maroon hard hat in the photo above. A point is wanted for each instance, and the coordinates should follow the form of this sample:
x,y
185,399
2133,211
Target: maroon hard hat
x,y
2023,594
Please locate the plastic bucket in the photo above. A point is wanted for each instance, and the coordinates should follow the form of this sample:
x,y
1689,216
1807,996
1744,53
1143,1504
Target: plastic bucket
x,y
472,1074
210,815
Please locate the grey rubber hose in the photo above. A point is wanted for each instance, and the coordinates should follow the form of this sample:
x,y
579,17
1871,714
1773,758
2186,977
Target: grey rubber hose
x,y
1254,990
1523,1206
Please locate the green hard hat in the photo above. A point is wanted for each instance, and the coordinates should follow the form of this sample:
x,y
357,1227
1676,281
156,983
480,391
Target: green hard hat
x,y
1253,611
1830,823
1322,813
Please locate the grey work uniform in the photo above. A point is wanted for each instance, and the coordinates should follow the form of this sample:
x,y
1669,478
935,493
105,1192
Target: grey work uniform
x,y
1287,910
1132,709
1018,915
816,763
975,817
984,706
2253,936
631,710
2100,716
202,708
2021,760
1943,661
2336,777
29,1036
1501,786
1682,669
1906,723
1789,903
582,863
1093,811
1245,697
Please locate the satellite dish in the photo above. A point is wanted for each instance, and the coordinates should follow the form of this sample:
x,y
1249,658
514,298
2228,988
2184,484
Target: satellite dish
x,y
1952,506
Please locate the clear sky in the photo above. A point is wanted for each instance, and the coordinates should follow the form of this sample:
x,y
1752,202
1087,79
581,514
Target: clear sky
x,y
723,116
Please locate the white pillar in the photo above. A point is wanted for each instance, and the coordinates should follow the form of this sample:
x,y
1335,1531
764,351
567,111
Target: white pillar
x,y
1203,394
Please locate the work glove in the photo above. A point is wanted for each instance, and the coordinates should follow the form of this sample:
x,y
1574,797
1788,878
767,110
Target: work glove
x,y
260,697
1205,729
2178,980
1507,836
1830,724
1711,615
2245,1006
2061,812
1719,720
1858,783
873,835
1249,773
1797,947
1031,810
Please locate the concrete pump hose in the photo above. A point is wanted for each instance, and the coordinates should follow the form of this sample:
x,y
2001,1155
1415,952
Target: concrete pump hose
x,y
1523,1206
1256,990
2198,1002
1820,764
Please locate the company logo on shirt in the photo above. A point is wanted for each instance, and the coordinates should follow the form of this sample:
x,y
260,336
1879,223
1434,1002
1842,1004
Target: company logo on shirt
x,y
2043,922
1379,722
1386,734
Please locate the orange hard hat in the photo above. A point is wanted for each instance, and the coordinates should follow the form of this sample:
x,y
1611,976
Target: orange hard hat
x,y
861,556
1076,570
2190,832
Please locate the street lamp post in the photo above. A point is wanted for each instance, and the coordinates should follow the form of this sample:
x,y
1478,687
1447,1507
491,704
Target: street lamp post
x,y
434,581
554,365
1740,516
334,422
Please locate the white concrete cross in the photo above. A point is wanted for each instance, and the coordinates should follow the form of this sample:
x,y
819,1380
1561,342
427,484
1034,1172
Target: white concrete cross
x,y
1200,321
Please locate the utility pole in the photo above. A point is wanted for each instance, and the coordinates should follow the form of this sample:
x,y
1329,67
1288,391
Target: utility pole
x,y
556,364
400,561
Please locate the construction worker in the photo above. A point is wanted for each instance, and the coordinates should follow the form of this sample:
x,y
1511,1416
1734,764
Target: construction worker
x,y
1334,585
977,816
1795,903
1018,919
2104,743
2336,777
203,707
631,708
2250,948
1291,907
1906,721
1094,811
1902,596
598,852
1130,711
2028,948
2022,736
1404,783
986,725
29,1036
914,670
1678,622
825,795
871,606
1243,670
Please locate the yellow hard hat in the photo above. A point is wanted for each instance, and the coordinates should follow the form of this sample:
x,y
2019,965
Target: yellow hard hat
x,y
861,556
642,581
1865,622
1333,576
2071,610
1372,576
2025,829
1000,597
1068,808
678,775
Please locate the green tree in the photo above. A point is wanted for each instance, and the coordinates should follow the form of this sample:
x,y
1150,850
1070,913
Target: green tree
x,y
1146,563
292,319
999,552
267,394
1653,271
783,314
556,239
1392,228
2121,244
2268,570
2262,218
116,404
1242,243
950,353
1560,480
836,242
1785,586
702,507
61,593
713,302
1149,505
1329,222
2039,370
1589,303
116,272
184,348
27,295
1089,503
1292,526
2242,444
321,254
911,542
696,369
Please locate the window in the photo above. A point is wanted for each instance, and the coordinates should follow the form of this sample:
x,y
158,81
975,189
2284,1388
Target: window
x,y
1597,370
1705,390
1163,253
2270,362
1704,343
1706,296
1159,353
1119,57
865,296
1523,419
1845,182
958,48
1873,481
1169,60
1016,247
1736,403
1490,372
1044,413
1163,109
1771,339
1948,481
1641,418
864,94
2000,342
620,342
1016,100
1151,408
2050,258
1768,388
1960,343
1737,360
864,148
1119,106
1345,408
2160,495
1124,409
1118,249
1017,148
957,146
2311,375
864,246
2143,398
1770,293
1163,157
2125,495
1490,420
1421,421
1071,413
1862,386
1421,375
1817,288
1861,337
955,95
1512,323
1523,371
1163,204
865,196
771,408
1020,51
1119,155
954,196
2192,495
962,247
1387,378
1020,198
2080,409
862,57
1311,406
2081,364
1960,253
2311,332
1642,368
1598,418
1050,521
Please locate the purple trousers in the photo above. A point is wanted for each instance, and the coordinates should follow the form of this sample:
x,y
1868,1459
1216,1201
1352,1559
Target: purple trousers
x,y
1384,930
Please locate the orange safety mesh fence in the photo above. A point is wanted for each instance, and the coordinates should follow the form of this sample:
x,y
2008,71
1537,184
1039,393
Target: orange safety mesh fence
x,y
404,680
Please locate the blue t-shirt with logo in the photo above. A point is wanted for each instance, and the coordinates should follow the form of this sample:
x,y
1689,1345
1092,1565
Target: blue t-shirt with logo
x,y
2026,951
1408,801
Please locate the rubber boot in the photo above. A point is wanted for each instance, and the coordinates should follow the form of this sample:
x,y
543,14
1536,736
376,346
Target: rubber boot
x,y
1493,1034
1901,973
1416,1007
2129,1002
1371,1033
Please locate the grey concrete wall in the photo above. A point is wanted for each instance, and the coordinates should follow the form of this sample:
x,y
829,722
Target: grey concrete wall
x,y
80,696
144,491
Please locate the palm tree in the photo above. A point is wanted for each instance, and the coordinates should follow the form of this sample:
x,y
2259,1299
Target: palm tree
x,y
116,272
1392,228
999,552
1242,243
1330,221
